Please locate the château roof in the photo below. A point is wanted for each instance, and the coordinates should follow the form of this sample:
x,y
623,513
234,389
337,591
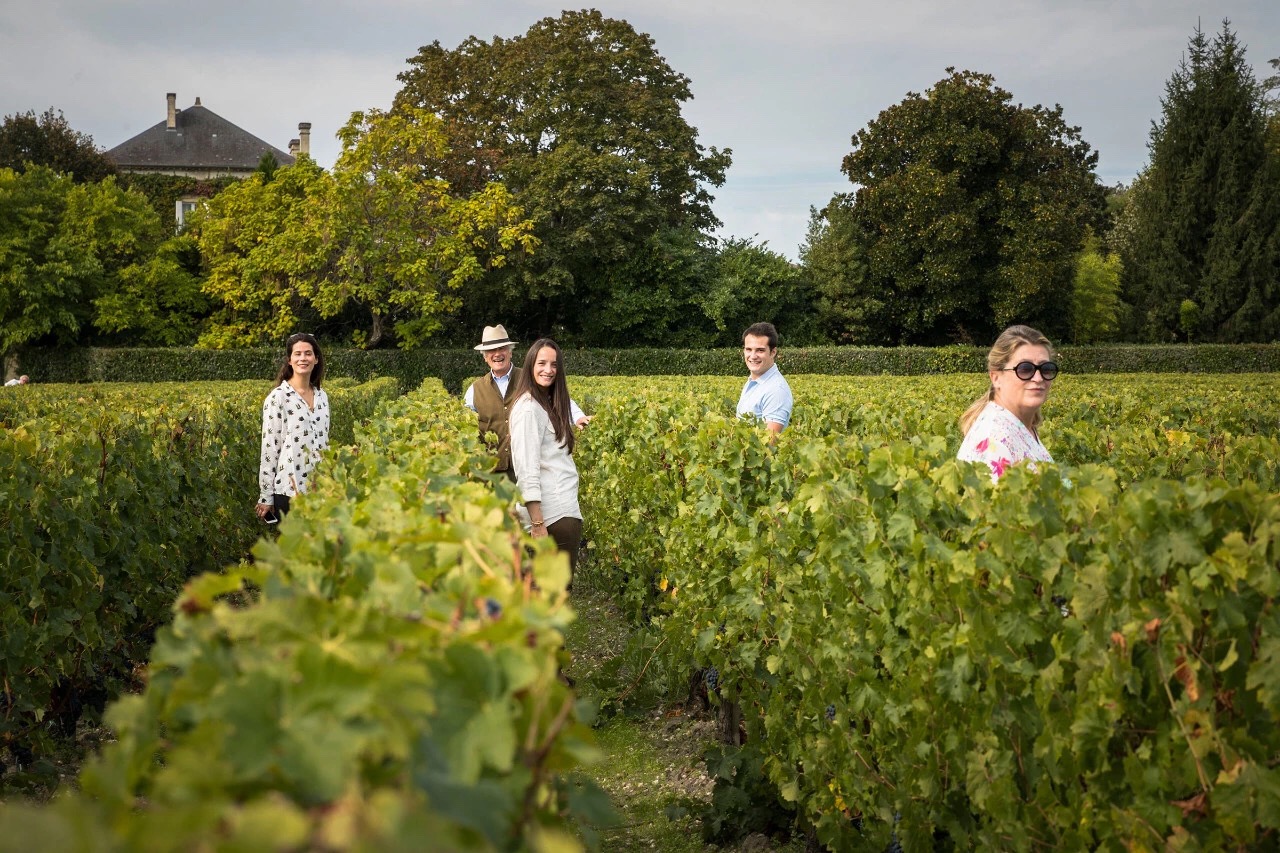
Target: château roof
x,y
200,139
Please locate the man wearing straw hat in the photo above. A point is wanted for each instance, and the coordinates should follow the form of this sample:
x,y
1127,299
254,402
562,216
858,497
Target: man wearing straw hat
x,y
491,395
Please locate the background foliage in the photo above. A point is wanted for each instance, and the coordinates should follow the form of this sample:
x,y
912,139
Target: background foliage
x,y
48,140
581,118
552,182
68,249
456,366
1206,211
970,210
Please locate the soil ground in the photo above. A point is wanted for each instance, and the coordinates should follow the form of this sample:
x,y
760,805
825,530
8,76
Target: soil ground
x,y
652,767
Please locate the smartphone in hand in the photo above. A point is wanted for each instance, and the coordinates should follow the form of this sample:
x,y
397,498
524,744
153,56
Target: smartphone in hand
x,y
270,517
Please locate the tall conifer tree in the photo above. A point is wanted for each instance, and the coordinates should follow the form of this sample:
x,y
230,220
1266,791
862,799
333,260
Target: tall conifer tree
x,y
1207,217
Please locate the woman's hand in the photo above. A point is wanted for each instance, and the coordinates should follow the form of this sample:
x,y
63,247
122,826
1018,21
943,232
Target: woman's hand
x,y
538,530
262,509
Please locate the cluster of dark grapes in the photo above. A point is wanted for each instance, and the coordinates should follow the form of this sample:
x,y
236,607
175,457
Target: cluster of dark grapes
x,y
492,608
711,677
831,713
20,755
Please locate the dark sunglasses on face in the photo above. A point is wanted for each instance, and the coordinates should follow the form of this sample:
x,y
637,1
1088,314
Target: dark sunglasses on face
x,y
1025,370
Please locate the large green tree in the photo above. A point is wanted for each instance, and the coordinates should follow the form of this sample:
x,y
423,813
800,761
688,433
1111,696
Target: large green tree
x,y
835,263
48,140
1095,301
157,301
749,282
63,246
381,241
650,298
1206,218
971,209
260,253
404,240
580,117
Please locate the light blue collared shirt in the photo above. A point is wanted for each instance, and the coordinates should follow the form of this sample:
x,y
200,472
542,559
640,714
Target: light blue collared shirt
x,y
768,398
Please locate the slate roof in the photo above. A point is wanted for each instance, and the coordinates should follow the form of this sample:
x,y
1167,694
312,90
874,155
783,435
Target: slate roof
x,y
201,139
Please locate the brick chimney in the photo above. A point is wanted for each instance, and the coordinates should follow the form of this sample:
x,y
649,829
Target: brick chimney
x,y
304,138
171,123
293,148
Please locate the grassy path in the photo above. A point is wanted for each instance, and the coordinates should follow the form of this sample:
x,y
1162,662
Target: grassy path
x,y
652,767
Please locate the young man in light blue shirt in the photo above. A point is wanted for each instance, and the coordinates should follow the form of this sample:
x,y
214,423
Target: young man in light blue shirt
x,y
766,394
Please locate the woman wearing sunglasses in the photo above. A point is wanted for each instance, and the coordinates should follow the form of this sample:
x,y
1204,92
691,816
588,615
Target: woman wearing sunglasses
x,y
1001,428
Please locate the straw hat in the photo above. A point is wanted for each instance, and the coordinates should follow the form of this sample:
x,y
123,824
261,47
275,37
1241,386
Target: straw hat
x,y
494,337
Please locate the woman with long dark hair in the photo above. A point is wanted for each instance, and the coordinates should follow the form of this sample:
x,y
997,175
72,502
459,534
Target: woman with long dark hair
x,y
295,427
541,428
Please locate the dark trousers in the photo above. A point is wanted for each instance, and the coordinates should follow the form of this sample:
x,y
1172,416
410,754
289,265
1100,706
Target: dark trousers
x,y
282,505
567,532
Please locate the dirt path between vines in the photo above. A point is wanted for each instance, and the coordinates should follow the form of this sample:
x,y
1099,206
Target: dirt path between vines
x,y
652,767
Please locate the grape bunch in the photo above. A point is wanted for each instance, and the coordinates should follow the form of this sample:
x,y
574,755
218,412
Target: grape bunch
x,y
831,713
711,677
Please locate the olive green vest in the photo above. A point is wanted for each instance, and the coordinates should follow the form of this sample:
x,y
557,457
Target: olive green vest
x,y
493,410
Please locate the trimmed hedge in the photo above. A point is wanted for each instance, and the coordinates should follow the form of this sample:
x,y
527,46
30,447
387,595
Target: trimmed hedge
x,y
454,366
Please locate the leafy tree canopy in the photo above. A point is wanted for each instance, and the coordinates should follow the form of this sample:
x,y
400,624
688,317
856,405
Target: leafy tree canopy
x,y
835,262
406,243
1206,221
971,210
158,301
382,239
62,246
1095,300
580,118
260,253
48,140
750,282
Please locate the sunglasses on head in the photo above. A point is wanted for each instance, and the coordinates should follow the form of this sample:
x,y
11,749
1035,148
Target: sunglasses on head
x,y
1025,370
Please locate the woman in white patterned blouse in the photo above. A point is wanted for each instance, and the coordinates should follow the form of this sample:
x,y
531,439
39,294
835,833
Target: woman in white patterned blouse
x,y
1002,426
542,440
295,427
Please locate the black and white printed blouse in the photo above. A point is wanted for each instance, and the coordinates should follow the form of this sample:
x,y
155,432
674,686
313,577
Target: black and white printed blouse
x,y
293,435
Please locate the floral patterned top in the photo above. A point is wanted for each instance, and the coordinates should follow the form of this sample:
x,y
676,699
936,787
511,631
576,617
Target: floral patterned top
x,y
998,438
293,435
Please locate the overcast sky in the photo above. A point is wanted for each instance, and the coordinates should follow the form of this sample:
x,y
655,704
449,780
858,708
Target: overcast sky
x,y
783,84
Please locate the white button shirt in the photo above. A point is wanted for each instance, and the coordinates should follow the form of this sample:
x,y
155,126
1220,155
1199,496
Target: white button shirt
x,y
544,469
